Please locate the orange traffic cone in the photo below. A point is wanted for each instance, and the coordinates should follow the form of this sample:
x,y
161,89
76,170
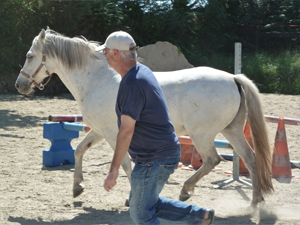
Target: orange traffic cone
x,y
186,153
281,167
196,161
186,147
247,132
189,154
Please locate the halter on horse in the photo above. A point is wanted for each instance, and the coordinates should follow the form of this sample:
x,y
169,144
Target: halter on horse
x,y
31,78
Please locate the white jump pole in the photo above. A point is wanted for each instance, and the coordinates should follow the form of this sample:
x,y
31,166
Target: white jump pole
x,y
235,160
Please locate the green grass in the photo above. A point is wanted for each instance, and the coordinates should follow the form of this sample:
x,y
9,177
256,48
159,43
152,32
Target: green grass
x,y
274,73
271,72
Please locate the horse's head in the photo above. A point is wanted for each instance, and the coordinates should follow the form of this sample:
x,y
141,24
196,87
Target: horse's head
x,y
34,70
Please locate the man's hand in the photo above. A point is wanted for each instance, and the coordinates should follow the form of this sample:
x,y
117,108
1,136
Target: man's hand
x,y
111,180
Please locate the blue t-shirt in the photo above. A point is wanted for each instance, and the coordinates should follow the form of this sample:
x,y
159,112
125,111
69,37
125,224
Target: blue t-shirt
x,y
141,98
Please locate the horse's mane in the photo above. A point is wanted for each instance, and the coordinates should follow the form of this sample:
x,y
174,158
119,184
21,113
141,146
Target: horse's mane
x,y
72,52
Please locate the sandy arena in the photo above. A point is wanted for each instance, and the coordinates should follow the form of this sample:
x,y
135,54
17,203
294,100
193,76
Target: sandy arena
x,y
34,194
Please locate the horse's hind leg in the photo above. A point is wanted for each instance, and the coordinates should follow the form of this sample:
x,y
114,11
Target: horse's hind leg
x,y
242,148
234,133
210,159
90,140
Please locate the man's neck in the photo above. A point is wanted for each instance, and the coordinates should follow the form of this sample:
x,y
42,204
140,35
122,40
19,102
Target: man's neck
x,y
125,66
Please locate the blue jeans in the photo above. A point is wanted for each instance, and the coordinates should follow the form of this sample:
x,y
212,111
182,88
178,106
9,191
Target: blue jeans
x,y
147,181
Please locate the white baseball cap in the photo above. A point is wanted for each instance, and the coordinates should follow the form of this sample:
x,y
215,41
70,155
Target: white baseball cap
x,y
119,40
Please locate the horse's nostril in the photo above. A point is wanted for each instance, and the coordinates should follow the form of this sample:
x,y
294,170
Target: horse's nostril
x,y
17,85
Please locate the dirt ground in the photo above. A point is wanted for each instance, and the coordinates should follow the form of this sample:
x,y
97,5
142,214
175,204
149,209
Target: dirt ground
x,y
34,194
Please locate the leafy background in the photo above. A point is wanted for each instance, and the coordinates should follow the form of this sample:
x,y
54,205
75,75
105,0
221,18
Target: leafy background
x,y
204,31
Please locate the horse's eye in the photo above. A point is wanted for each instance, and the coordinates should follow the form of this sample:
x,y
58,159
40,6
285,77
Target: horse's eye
x,y
29,56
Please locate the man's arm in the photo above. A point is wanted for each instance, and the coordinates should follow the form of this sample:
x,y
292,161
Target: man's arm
x,y
123,142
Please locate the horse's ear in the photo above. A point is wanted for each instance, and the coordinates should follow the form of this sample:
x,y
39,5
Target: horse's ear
x,y
48,30
42,36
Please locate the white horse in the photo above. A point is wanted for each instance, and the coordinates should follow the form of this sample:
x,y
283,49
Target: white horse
x,y
202,102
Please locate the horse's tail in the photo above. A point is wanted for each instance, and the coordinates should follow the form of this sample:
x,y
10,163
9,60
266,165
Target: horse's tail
x,y
260,137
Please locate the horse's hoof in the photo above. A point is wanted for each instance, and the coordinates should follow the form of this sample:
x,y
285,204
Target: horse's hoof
x,y
77,191
184,197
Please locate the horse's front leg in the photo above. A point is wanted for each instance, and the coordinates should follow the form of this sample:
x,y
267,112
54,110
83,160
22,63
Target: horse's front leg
x,y
210,159
90,140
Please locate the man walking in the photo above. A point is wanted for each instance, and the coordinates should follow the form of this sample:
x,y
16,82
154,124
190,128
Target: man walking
x,y
147,133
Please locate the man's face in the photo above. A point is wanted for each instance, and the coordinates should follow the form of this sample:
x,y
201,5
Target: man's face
x,y
109,54
109,57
